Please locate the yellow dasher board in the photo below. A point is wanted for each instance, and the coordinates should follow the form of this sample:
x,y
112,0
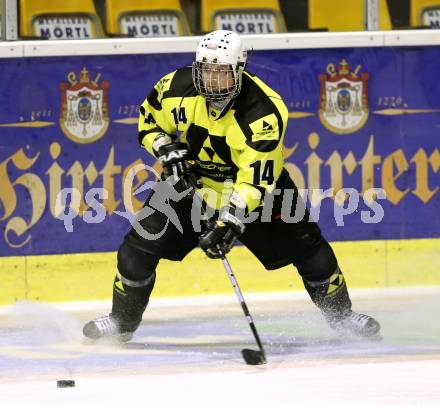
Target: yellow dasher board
x,y
344,16
150,25
425,13
244,17
58,19
64,27
153,18
431,17
255,22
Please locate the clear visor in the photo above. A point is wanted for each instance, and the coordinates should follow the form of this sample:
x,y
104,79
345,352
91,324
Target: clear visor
x,y
215,81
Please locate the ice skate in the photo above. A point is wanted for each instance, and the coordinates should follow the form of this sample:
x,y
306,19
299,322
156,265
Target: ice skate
x,y
331,297
353,324
105,327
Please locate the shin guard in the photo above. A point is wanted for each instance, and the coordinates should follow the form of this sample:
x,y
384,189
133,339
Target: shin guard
x,y
130,298
330,295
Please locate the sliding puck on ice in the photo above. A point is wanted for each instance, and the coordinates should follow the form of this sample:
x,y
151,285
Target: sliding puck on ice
x,y
65,383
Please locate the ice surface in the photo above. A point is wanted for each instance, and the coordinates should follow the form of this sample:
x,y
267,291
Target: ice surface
x,y
187,351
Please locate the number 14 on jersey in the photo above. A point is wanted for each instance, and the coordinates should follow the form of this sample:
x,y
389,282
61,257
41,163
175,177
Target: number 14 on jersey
x,y
263,174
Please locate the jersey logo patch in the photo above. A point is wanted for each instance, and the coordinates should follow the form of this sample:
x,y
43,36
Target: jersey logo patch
x,y
210,152
207,153
267,126
264,129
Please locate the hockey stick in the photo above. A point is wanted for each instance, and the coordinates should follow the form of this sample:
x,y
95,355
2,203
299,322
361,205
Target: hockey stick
x,y
251,357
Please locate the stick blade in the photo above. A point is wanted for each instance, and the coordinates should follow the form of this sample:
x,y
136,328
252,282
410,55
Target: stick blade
x,y
253,357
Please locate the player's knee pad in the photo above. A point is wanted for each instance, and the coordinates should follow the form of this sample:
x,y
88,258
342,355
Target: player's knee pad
x,y
320,266
134,264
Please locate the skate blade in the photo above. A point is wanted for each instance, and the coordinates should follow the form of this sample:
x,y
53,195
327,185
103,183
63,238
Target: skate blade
x,y
120,339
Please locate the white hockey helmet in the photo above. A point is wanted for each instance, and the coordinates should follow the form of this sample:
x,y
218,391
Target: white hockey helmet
x,y
218,68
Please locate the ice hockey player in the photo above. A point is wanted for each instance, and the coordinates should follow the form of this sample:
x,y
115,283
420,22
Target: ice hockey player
x,y
218,124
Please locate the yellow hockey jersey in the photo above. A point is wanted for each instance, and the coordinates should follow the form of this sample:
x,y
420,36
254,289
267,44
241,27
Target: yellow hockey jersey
x,y
238,148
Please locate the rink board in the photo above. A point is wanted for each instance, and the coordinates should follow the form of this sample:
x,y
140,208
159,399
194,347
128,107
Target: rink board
x,y
367,264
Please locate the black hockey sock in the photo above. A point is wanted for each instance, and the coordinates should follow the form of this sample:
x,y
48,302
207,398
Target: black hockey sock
x,y
330,295
130,298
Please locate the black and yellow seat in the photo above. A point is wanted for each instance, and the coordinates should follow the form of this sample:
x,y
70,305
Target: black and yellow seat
x,y
146,18
344,15
425,13
59,19
243,17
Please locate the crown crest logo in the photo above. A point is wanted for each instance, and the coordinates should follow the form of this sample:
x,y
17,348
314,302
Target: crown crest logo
x,y
343,107
84,107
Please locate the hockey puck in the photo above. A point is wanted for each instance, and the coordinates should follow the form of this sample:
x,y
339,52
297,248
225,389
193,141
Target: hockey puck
x,y
65,383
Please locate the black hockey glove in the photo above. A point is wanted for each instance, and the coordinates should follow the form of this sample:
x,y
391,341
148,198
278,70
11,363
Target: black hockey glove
x,y
221,235
176,162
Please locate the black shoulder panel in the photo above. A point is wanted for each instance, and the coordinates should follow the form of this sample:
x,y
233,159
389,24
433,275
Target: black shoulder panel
x,y
252,104
153,101
182,84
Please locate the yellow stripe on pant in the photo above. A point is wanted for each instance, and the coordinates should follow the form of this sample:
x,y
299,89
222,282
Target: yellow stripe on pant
x,y
89,276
